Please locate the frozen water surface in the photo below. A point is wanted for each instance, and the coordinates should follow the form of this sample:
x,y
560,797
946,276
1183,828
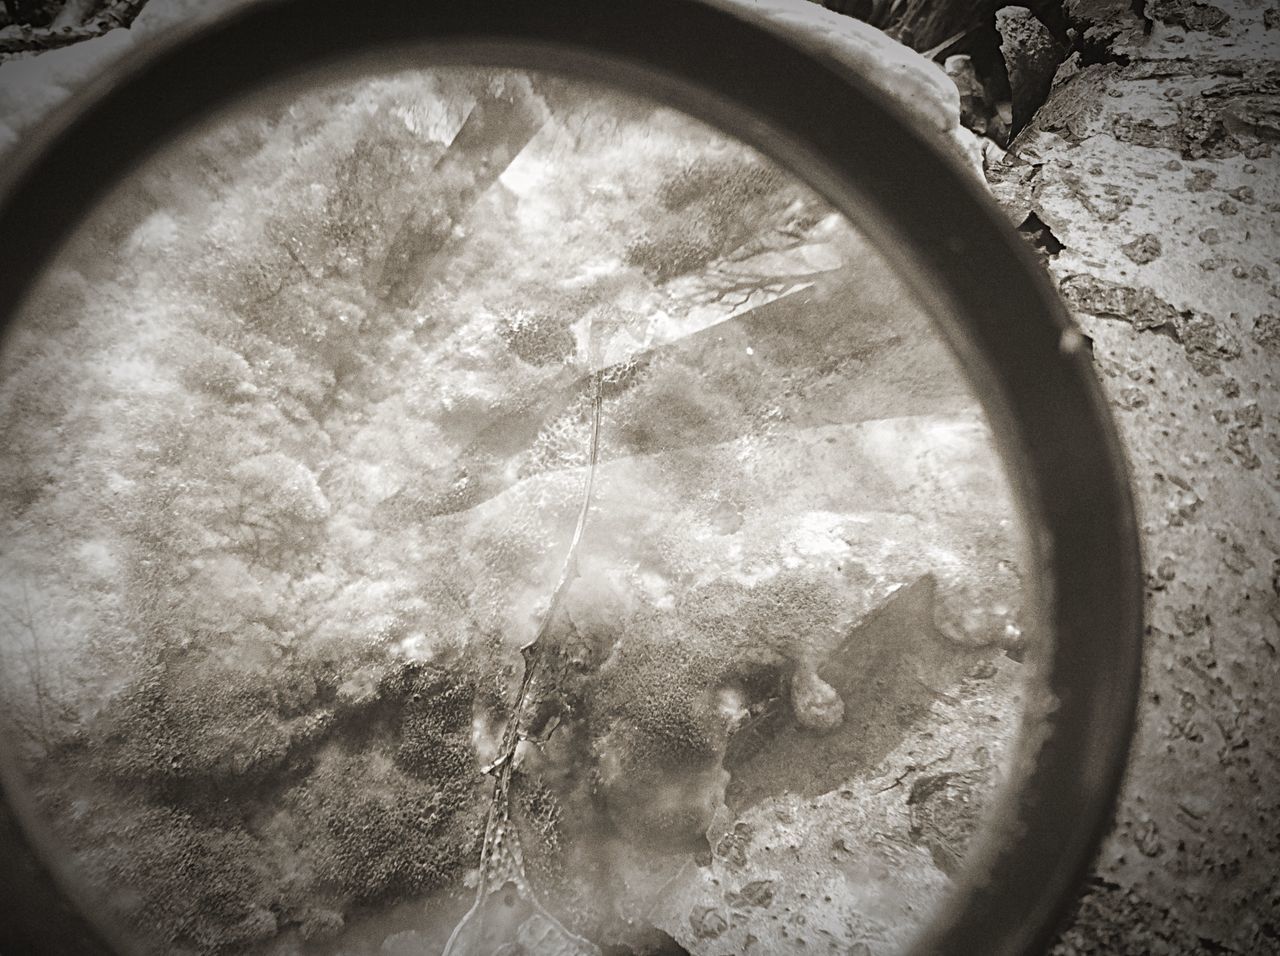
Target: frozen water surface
x,y
468,490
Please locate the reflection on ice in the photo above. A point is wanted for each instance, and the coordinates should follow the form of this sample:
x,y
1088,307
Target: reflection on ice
x,y
297,624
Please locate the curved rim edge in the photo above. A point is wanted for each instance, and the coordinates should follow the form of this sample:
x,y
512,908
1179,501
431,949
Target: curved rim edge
x,y
835,131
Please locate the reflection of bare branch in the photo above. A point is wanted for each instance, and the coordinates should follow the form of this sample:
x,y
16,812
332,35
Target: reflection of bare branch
x,y
785,238
254,529
22,633
736,288
288,243
916,768
271,294
732,280
32,40
498,127
736,294
761,714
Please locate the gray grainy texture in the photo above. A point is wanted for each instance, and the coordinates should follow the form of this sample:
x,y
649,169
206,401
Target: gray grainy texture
x,y
1154,166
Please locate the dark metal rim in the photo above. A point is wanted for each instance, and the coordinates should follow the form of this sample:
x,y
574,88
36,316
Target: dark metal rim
x,y
809,112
